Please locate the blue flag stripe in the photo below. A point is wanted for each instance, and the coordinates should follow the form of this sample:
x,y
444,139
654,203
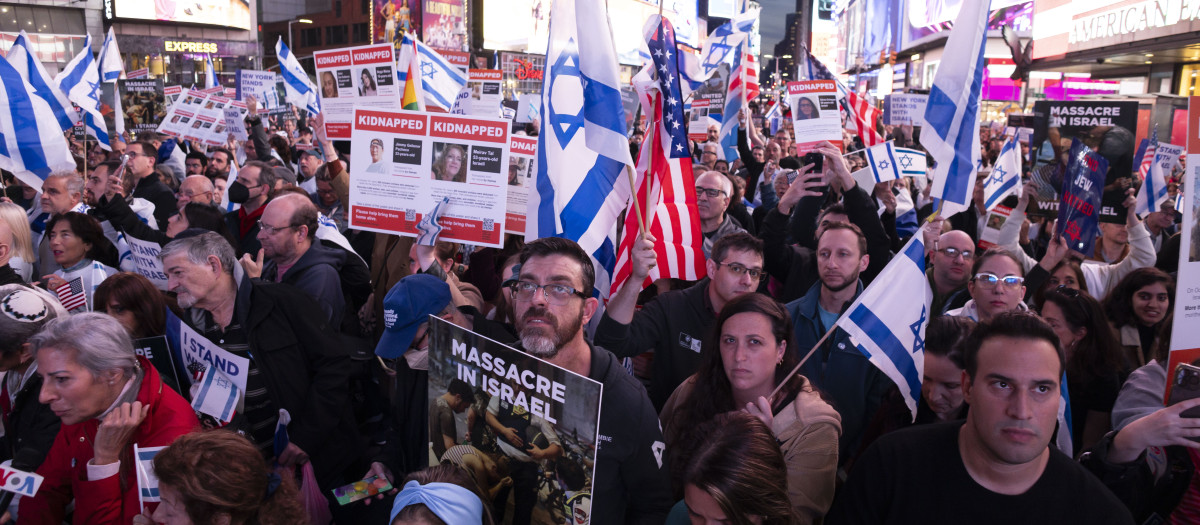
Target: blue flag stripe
x,y
20,110
892,347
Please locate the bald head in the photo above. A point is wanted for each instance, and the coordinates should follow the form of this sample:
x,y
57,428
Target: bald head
x,y
952,261
197,189
300,210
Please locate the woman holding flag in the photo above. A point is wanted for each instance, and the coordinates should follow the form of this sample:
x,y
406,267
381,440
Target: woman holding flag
x,y
84,256
753,352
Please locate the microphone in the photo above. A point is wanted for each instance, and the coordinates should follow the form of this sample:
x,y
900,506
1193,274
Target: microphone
x,y
18,477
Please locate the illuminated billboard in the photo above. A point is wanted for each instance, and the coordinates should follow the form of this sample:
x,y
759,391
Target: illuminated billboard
x,y
225,13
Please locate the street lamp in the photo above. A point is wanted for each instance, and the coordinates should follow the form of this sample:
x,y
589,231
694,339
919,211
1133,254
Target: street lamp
x,y
290,22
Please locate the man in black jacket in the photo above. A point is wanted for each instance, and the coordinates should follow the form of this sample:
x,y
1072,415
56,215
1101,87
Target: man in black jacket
x,y
296,362
142,161
552,301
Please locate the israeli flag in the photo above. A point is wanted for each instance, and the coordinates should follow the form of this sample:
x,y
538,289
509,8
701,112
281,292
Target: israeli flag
x,y
21,57
146,479
1154,188
774,117
32,144
887,324
111,69
300,89
440,79
723,46
1005,178
952,114
886,162
218,396
210,75
581,190
80,80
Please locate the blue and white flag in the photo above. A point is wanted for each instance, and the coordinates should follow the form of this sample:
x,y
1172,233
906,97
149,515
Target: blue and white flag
x,y
32,144
1063,440
580,190
300,90
440,80
80,80
952,113
21,57
886,162
198,353
723,46
1154,187
146,479
774,117
429,227
111,69
282,438
210,74
887,321
1005,178
217,396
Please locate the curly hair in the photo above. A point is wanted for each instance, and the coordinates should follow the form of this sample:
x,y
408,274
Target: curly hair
x,y
1118,306
219,472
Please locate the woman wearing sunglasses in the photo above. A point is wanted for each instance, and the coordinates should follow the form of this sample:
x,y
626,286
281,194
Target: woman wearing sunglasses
x,y
997,285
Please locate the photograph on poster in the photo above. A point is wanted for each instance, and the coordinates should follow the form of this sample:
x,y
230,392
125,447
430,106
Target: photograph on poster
x,y
366,84
807,109
328,85
450,165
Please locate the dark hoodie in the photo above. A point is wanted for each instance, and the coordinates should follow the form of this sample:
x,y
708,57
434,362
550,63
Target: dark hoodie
x,y
319,274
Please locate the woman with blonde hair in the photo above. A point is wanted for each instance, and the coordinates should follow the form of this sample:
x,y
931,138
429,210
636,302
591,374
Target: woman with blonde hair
x,y
22,240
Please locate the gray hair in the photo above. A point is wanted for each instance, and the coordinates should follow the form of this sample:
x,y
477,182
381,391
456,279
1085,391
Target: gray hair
x,y
73,181
100,342
199,247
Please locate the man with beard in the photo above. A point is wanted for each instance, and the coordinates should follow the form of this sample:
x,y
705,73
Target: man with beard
x,y
195,163
219,162
147,185
854,385
552,300
295,362
953,254
995,467
675,325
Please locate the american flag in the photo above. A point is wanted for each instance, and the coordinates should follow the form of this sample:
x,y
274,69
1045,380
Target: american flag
x,y
1151,151
664,171
750,75
71,295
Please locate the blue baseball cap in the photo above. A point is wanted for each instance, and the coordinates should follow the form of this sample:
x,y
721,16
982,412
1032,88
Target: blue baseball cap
x,y
408,304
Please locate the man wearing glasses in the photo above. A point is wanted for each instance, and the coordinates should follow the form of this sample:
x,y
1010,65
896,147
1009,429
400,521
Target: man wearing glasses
x,y
851,383
197,189
552,300
676,324
952,256
713,191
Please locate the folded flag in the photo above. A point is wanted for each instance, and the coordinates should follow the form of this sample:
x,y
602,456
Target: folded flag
x,y
147,480
1005,178
218,396
300,90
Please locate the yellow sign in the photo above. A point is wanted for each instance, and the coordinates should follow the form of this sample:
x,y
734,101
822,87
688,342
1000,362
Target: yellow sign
x,y
175,46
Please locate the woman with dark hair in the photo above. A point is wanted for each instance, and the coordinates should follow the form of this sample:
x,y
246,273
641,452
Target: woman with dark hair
x,y
441,495
1068,274
997,285
451,164
807,109
366,87
81,251
328,85
220,477
1096,364
133,301
1136,309
736,474
754,350
193,215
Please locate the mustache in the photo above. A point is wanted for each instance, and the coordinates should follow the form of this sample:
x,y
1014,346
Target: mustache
x,y
538,311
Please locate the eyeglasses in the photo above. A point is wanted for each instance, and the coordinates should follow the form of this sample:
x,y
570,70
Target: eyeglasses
x,y
990,280
711,193
272,229
955,252
557,294
192,195
738,270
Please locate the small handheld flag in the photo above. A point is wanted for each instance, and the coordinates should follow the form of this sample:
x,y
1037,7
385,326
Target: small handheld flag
x,y
71,295
1005,177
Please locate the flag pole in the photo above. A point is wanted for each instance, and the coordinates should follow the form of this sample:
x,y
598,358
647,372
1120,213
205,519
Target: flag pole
x,y
636,208
796,370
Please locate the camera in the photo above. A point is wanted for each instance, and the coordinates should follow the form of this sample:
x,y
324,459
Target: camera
x,y
816,159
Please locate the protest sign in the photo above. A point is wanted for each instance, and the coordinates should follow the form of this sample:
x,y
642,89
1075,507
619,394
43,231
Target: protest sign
x,y
138,73
904,108
532,408
196,351
1110,127
143,103
363,77
262,85
815,113
146,261
171,94
1186,331
990,236
484,87
158,352
522,171
530,108
1078,211
699,121
416,159
235,120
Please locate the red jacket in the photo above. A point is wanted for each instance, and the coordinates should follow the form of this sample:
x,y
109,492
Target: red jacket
x,y
113,499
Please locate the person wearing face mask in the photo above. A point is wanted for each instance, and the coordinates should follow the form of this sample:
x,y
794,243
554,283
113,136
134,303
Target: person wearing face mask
x,y
251,190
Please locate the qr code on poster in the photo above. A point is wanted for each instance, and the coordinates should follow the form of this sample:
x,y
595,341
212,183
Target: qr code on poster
x,y
410,215
489,225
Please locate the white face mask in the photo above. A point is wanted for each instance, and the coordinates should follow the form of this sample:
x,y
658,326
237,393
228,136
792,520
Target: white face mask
x,y
417,359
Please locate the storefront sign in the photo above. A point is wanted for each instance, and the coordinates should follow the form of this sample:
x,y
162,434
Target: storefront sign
x,y
1077,26
179,46
526,70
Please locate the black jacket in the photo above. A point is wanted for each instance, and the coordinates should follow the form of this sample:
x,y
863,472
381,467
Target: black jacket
x,y
317,273
30,425
159,194
9,276
123,218
243,244
304,369
631,480
675,326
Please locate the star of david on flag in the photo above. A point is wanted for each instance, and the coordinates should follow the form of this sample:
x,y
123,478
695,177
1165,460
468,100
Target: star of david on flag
x,y
1005,178
887,327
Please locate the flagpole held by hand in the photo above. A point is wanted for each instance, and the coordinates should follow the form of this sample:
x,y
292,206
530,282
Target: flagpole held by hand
x,y
634,204
796,370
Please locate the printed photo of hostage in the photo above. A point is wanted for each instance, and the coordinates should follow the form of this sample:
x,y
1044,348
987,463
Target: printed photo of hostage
x,y
807,109
378,165
366,86
328,85
518,170
450,164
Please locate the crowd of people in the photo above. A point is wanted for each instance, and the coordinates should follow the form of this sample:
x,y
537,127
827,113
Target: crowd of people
x,y
704,418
